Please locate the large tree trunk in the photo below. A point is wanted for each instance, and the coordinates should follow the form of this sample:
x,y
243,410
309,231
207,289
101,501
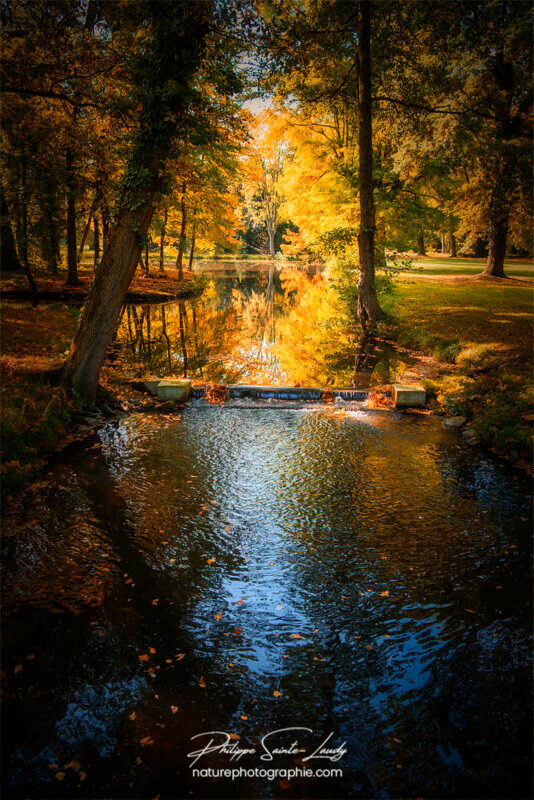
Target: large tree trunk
x,y
162,241
498,232
104,303
181,244
72,252
453,245
175,50
9,260
444,244
369,311
421,245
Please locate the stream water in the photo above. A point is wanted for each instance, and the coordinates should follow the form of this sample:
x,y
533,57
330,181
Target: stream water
x,y
268,323
361,574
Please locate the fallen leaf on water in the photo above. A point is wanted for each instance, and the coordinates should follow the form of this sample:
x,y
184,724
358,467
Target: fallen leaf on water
x,y
217,616
210,561
144,657
75,765
230,663
179,656
276,693
279,605
132,715
384,594
83,775
151,650
60,775
240,602
146,740
234,736
32,655
296,636
155,602
318,659
202,682
238,631
174,709
369,647
168,660
470,611
18,668
244,717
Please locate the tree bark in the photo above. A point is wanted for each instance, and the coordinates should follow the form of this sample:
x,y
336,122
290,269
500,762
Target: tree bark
x,y
96,233
175,49
192,251
72,253
369,311
421,245
162,241
9,260
444,244
271,231
24,254
181,244
452,243
498,232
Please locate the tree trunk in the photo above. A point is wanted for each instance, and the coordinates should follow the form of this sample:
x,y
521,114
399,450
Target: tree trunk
x,y
498,232
72,254
181,244
369,311
176,47
444,244
192,251
9,260
271,233
84,234
96,233
421,245
162,242
24,254
147,262
452,243
182,313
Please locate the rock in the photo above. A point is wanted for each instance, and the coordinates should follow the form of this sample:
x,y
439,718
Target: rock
x,y
178,389
106,410
471,436
167,408
454,423
340,401
406,396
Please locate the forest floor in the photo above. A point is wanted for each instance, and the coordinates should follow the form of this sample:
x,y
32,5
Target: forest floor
x,y
477,333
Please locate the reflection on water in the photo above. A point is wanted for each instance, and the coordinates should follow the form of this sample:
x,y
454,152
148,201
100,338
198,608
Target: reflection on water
x,y
262,323
362,574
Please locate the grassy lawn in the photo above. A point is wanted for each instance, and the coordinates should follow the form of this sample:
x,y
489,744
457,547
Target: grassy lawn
x,y
436,264
486,331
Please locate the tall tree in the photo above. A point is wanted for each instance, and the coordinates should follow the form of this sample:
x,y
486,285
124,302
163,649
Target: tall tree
x,y
164,74
369,311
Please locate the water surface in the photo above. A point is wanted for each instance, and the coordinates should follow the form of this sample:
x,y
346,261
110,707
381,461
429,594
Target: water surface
x,y
169,576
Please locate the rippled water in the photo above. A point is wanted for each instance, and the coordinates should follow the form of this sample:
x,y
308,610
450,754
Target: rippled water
x,y
171,575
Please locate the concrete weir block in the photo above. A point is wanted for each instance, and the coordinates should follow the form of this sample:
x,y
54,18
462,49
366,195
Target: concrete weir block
x,y
405,396
152,386
174,389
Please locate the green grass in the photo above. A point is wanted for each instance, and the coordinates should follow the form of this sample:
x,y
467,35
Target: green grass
x,y
442,265
486,331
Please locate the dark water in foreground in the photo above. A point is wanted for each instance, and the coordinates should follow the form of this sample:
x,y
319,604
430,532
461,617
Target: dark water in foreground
x,y
171,576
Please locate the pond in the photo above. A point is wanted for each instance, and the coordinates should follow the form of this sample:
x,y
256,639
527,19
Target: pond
x,y
268,323
359,575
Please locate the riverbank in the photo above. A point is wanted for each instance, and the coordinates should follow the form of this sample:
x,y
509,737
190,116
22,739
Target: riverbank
x,y
36,415
483,333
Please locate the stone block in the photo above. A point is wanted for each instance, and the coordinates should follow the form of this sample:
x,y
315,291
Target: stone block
x,y
454,423
174,389
152,386
406,396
